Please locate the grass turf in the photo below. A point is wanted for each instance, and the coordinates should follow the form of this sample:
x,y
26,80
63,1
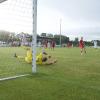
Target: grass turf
x,y
73,77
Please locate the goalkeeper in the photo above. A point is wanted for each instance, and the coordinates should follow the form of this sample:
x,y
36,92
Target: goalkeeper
x,y
28,57
42,58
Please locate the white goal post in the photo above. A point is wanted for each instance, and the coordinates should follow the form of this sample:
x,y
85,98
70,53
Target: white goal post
x,y
34,39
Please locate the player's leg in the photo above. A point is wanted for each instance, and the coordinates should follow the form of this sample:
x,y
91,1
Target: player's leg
x,y
28,60
84,50
20,57
81,51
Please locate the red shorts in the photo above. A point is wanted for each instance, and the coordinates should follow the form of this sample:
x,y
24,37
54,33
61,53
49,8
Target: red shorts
x,y
81,46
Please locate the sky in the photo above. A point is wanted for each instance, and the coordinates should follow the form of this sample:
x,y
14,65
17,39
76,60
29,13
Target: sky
x,y
77,17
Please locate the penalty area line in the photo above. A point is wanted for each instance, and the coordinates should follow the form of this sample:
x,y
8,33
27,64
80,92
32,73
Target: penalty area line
x,y
13,77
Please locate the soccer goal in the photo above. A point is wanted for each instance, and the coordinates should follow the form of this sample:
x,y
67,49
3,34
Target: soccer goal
x,y
18,31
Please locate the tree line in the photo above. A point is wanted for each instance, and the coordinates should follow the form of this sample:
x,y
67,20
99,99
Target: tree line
x,y
10,37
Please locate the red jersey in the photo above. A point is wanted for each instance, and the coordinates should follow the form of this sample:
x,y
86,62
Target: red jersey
x,y
81,44
53,44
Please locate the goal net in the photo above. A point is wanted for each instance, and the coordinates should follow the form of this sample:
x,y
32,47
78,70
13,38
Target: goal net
x,y
17,27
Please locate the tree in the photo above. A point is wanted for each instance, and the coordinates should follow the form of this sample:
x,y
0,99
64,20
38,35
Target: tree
x,y
89,43
76,42
43,34
64,39
50,35
5,36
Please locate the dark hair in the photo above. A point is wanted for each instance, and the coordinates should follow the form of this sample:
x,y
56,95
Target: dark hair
x,y
45,53
44,59
49,56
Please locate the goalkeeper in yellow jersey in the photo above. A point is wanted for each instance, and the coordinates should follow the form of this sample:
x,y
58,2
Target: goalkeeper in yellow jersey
x,y
28,57
42,58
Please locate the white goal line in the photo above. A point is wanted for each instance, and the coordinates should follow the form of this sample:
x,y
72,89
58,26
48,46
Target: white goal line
x,y
13,77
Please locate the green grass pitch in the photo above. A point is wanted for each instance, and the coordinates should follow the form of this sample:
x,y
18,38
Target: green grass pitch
x,y
73,77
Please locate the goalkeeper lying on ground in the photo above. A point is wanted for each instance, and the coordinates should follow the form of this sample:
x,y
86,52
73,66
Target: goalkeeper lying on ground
x,y
42,58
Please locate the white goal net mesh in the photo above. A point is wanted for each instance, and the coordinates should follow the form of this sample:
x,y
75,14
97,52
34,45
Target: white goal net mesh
x,y
16,23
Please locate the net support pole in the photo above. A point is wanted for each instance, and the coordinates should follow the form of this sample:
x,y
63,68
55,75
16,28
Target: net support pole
x,y
34,36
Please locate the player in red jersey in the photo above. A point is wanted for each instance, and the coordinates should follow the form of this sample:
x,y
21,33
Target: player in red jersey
x,y
82,46
53,44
